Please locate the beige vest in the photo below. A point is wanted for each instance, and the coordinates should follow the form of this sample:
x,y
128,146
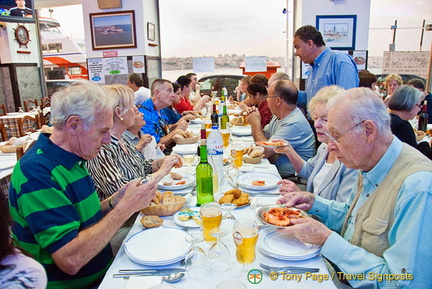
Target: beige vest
x,y
376,216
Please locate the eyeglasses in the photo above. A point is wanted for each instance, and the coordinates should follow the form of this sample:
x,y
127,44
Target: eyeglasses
x,y
335,139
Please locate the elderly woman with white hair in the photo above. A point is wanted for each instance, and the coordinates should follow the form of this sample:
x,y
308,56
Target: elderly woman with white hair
x,y
404,105
327,176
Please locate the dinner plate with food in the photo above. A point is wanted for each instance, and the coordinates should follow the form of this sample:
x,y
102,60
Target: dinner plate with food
x,y
188,217
279,215
259,181
176,181
235,196
273,144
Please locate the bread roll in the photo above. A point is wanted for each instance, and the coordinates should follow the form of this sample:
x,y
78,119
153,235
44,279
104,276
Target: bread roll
x,y
151,221
257,152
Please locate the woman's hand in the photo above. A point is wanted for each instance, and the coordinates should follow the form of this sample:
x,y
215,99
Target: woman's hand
x,y
143,142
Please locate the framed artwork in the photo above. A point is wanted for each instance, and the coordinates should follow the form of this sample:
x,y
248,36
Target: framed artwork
x,y
113,30
338,31
151,31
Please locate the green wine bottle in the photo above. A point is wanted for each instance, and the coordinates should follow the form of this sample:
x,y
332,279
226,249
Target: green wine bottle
x,y
204,175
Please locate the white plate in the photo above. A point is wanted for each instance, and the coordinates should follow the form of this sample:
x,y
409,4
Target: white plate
x,y
185,149
189,223
271,180
6,164
190,181
170,246
277,245
241,131
196,121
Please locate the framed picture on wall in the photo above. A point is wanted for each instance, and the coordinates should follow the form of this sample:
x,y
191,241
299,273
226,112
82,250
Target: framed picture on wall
x,y
338,31
151,31
113,30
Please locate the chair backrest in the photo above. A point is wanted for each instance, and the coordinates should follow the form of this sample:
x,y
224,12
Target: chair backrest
x,y
3,109
3,132
21,122
29,103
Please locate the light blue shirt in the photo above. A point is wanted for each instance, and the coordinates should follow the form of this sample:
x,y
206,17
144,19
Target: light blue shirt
x,y
331,68
410,237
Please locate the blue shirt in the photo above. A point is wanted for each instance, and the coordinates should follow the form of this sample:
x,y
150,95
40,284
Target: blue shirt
x,y
409,238
156,121
173,116
331,68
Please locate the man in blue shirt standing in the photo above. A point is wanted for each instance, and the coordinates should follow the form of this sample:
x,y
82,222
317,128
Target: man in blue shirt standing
x,y
328,67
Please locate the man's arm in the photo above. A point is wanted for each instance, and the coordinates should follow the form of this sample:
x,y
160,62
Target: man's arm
x,y
88,243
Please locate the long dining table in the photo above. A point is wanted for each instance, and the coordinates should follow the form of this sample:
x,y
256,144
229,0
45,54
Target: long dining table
x,y
321,279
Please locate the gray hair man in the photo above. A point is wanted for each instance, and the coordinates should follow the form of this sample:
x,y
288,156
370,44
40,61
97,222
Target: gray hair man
x,y
54,205
379,233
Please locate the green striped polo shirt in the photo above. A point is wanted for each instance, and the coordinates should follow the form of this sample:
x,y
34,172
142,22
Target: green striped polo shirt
x,y
52,198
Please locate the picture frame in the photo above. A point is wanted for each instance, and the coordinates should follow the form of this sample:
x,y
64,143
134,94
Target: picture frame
x,y
113,30
151,31
338,31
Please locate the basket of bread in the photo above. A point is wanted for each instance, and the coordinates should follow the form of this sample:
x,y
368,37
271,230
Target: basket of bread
x,y
253,155
11,145
238,121
185,137
47,129
165,204
236,197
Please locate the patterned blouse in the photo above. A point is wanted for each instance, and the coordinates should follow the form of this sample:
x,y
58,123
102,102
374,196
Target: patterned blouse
x,y
116,165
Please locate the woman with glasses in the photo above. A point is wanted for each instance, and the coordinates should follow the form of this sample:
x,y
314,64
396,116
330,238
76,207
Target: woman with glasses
x,y
327,176
404,105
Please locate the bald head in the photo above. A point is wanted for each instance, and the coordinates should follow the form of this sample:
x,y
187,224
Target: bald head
x,y
286,90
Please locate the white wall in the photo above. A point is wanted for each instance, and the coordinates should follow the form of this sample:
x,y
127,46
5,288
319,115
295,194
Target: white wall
x,y
9,46
145,11
361,8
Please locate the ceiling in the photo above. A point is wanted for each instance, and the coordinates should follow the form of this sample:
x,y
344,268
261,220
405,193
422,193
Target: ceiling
x,y
57,3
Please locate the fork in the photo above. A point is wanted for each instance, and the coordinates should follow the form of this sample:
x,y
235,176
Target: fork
x,y
290,269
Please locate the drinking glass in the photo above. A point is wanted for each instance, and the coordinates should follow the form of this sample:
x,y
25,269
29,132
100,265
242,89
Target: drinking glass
x,y
245,234
219,255
196,263
225,137
228,207
211,216
237,154
189,159
227,182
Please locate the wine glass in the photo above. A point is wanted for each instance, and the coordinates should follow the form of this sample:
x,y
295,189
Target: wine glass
x,y
219,255
196,262
227,182
228,207
189,159
245,234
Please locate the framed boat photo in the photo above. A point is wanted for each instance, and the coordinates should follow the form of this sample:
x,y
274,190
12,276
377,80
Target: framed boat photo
x,y
113,30
338,31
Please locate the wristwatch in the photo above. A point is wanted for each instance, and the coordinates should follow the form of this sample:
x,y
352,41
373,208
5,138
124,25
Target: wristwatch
x,y
22,35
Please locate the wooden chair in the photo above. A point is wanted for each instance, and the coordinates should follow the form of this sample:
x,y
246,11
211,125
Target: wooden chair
x,y
21,122
3,132
29,103
3,109
46,102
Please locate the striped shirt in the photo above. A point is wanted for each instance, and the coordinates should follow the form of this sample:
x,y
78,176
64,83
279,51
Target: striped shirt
x,y
115,166
52,198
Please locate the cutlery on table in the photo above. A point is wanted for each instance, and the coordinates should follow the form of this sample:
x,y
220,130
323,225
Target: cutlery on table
x,y
147,272
290,269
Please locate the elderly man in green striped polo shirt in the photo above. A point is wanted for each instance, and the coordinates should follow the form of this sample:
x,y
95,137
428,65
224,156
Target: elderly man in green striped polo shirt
x,y
56,212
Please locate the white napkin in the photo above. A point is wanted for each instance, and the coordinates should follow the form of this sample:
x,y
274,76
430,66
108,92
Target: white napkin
x,y
143,282
152,151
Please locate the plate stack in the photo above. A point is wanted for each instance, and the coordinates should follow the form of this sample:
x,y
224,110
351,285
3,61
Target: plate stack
x,y
170,247
276,245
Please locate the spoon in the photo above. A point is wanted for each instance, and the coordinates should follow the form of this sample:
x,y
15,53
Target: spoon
x,y
174,277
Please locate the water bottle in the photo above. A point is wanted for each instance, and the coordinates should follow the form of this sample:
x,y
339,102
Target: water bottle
x,y
215,152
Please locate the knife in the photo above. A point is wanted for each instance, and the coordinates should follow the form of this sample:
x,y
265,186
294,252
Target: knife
x,y
149,272
289,268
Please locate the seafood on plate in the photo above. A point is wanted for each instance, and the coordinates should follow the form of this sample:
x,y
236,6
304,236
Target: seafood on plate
x,y
281,216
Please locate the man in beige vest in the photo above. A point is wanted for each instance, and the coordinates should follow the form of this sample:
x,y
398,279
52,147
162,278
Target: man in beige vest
x,y
382,236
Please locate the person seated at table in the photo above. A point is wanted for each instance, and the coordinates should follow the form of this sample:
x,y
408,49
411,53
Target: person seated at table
x,y
173,116
381,229
257,92
259,79
326,175
17,269
118,162
391,82
57,215
155,118
420,85
184,104
241,90
142,93
145,144
288,123
404,105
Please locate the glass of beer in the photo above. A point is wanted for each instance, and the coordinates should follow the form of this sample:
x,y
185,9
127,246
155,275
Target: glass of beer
x,y
225,137
245,234
237,155
211,216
